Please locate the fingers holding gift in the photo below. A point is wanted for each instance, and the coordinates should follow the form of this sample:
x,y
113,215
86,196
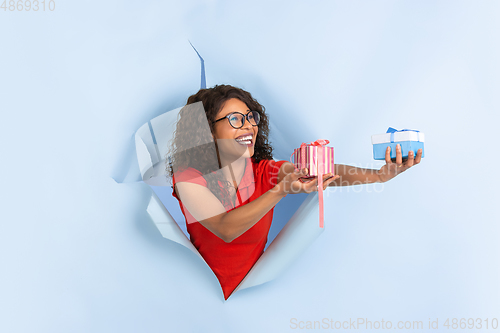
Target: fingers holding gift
x,y
311,185
293,183
399,155
410,160
419,156
391,169
328,179
304,172
388,155
303,186
297,174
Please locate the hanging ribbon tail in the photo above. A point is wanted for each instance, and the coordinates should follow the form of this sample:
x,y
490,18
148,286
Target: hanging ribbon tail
x,y
320,164
203,84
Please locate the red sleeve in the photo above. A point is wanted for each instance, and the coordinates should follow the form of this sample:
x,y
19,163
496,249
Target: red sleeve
x,y
188,175
269,170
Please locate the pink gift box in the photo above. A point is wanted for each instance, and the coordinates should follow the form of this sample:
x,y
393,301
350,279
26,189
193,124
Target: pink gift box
x,y
307,156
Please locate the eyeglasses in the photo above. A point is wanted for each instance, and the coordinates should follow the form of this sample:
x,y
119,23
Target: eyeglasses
x,y
237,119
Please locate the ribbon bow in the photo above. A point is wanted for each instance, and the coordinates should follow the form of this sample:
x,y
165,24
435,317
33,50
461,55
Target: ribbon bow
x,y
393,130
319,142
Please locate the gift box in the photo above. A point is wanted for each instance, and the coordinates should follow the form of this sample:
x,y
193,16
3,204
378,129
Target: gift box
x,y
318,159
410,140
312,156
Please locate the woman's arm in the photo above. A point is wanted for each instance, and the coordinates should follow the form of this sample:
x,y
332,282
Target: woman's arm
x,y
209,211
350,175
347,175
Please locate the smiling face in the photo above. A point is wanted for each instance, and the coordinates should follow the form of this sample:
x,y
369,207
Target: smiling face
x,y
234,142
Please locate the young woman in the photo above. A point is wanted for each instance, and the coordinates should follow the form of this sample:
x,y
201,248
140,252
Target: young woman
x,y
227,183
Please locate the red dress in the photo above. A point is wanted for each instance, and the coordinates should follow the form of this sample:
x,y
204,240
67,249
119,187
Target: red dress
x,y
232,261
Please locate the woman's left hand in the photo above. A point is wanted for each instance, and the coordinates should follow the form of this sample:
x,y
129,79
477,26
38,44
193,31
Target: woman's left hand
x,y
292,183
391,170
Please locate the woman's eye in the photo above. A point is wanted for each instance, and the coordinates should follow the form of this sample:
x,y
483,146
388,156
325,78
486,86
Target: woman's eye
x,y
233,118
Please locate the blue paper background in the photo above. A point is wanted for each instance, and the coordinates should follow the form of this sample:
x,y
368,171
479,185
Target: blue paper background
x,y
79,252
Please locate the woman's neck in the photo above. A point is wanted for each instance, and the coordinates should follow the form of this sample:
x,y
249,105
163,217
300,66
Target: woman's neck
x,y
234,170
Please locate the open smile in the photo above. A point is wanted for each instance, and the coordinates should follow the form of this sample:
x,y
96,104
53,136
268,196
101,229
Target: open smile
x,y
245,140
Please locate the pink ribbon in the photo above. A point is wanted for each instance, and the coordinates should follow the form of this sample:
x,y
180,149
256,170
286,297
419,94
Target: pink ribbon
x,y
320,165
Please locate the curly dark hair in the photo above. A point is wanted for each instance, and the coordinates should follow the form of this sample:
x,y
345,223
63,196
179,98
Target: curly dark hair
x,y
201,156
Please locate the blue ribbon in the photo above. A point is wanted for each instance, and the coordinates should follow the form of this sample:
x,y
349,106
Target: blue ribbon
x,y
203,84
393,130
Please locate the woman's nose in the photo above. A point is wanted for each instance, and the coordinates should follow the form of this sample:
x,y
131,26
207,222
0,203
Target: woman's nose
x,y
246,124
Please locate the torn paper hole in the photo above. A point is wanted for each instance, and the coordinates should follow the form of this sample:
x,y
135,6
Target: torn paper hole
x,y
301,230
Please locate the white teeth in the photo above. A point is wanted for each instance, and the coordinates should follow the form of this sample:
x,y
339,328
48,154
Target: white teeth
x,y
244,138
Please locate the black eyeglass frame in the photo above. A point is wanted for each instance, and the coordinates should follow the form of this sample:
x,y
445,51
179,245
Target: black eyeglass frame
x,y
245,117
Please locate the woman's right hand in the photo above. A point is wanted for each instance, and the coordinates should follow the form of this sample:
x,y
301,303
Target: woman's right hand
x,y
292,184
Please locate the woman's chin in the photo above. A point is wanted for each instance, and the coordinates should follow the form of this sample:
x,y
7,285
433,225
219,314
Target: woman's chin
x,y
245,151
238,153
248,152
